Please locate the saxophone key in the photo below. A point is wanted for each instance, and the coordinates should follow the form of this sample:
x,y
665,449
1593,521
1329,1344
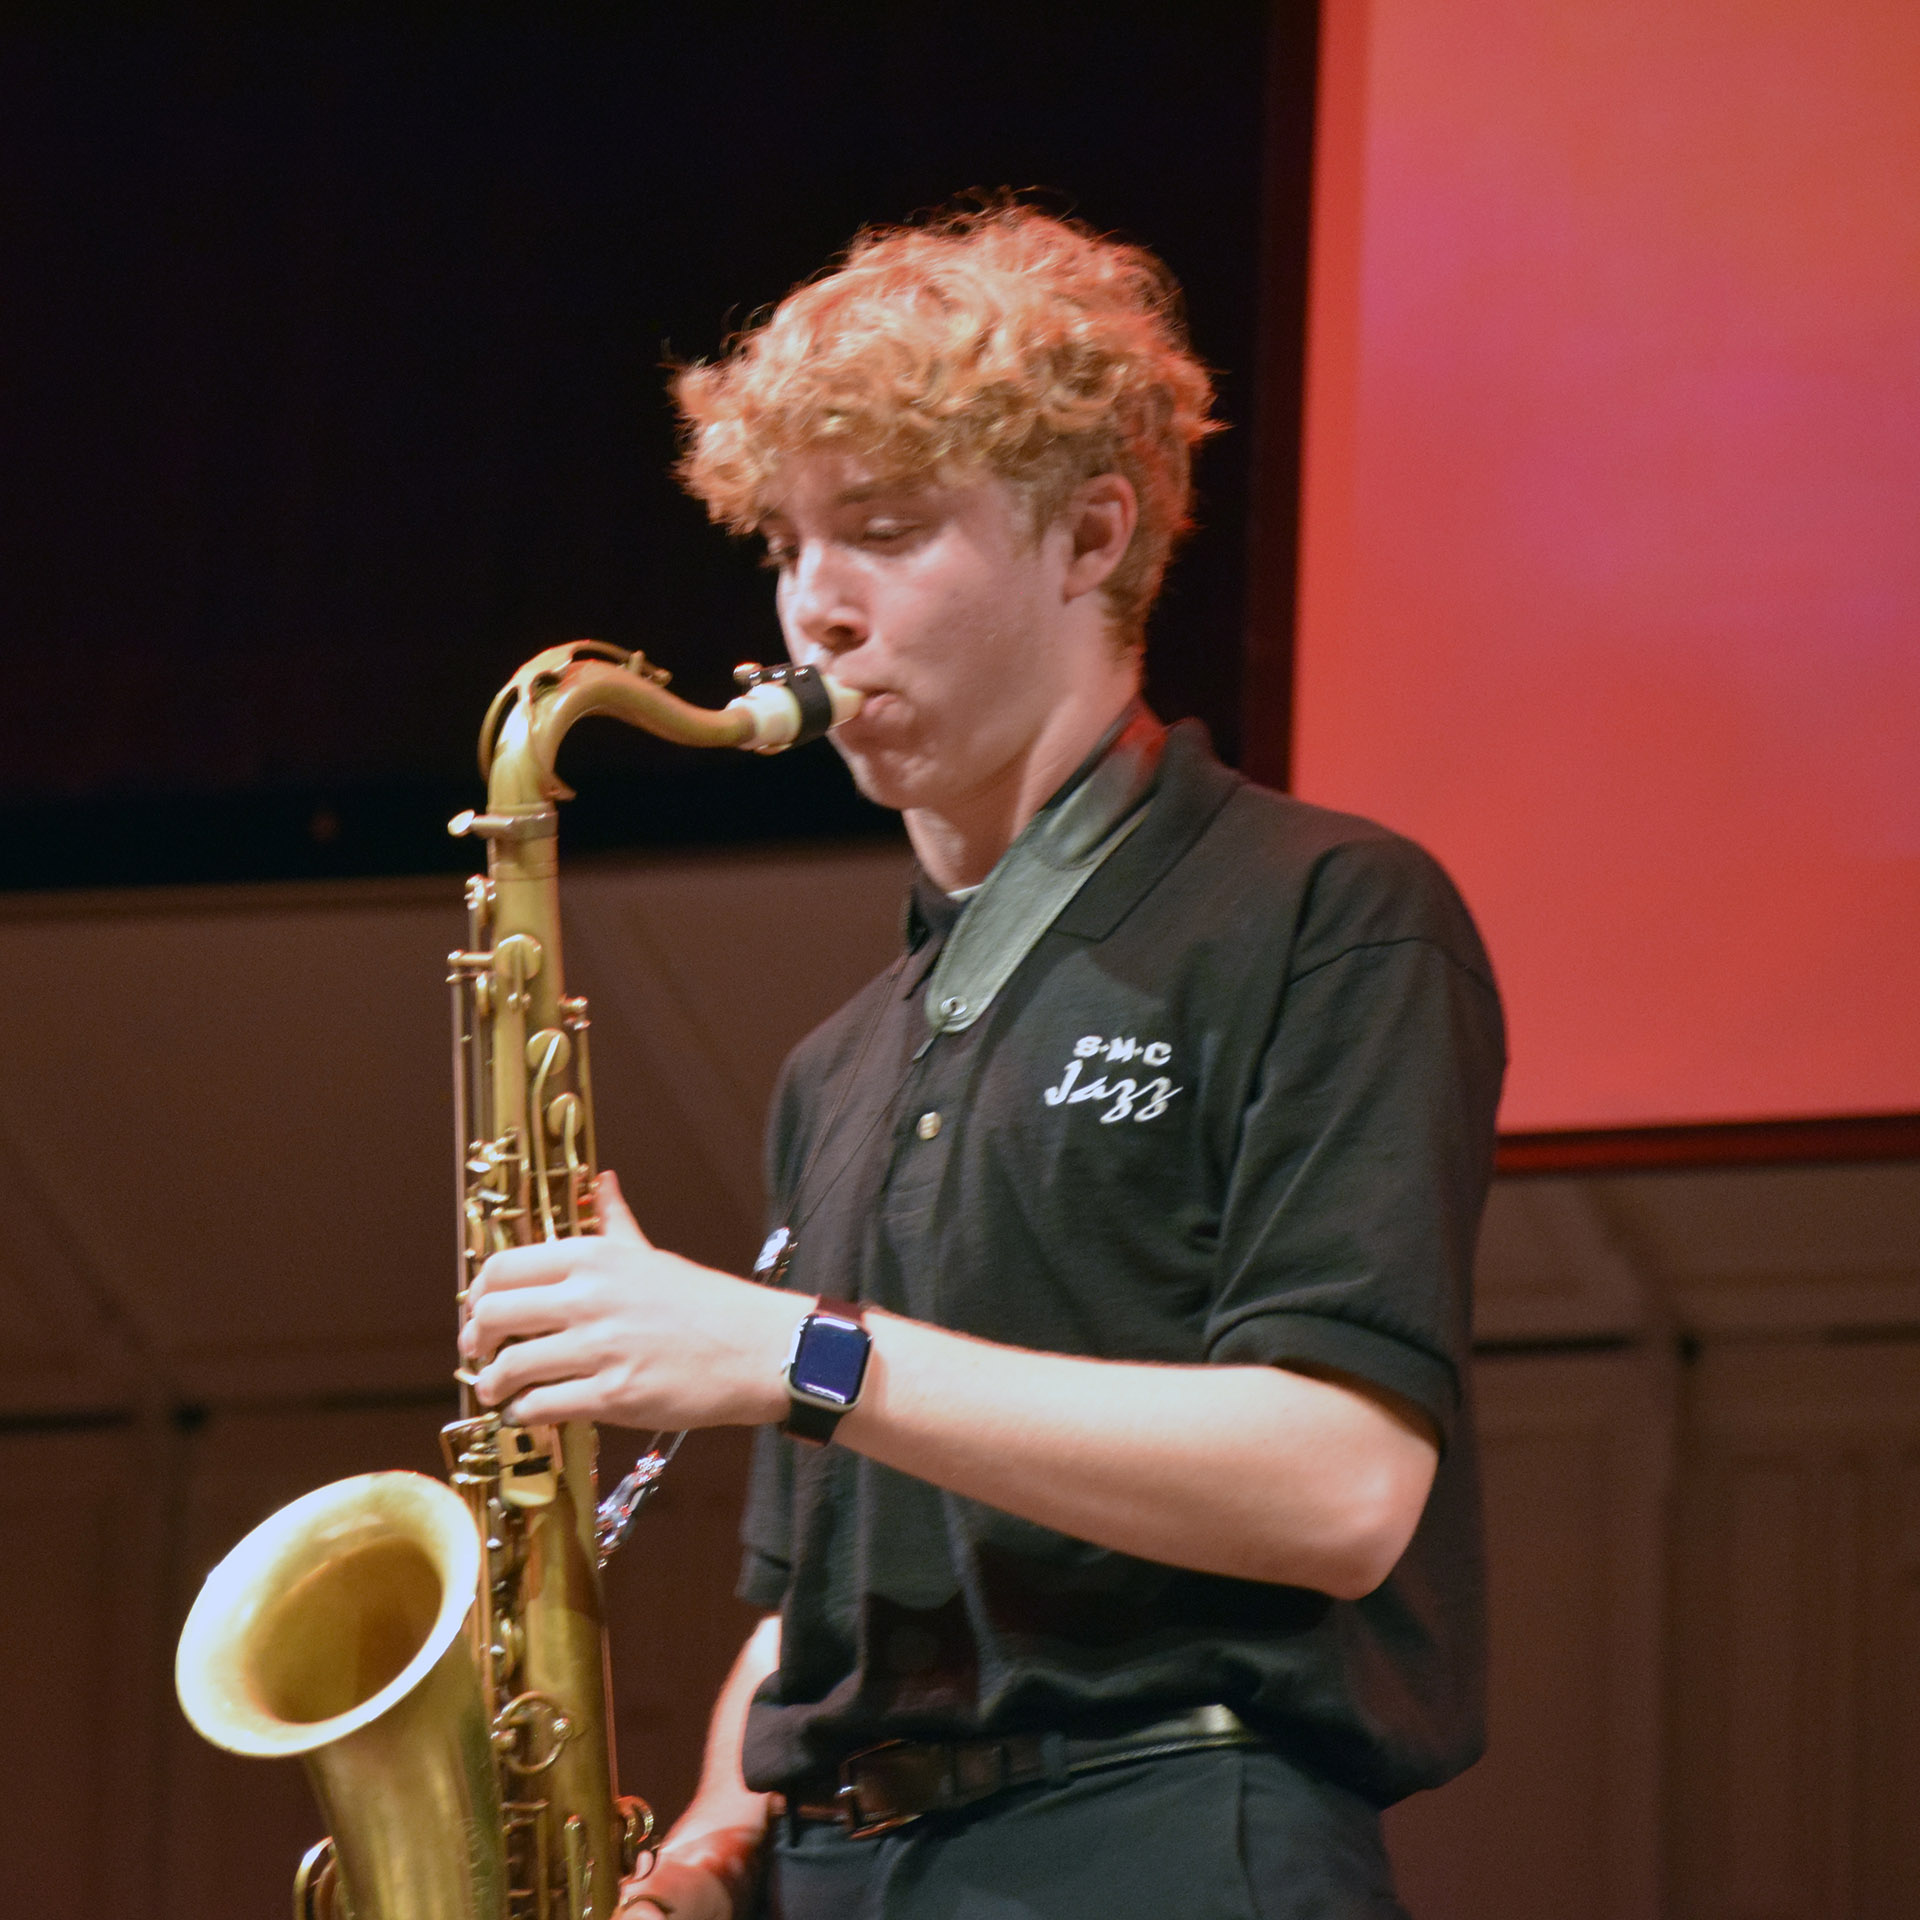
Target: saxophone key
x,y
528,1474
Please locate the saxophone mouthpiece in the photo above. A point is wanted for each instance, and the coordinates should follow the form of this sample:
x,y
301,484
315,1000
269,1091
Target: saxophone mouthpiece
x,y
790,706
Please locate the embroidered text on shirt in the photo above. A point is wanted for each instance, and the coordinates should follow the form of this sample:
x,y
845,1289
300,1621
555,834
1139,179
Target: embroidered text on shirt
x,y
1131,1100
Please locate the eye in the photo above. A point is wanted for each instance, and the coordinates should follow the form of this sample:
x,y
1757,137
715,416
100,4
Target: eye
x,y
888,532
777,555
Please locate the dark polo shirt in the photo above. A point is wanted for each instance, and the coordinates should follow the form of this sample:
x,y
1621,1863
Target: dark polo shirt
x,y
1236,1107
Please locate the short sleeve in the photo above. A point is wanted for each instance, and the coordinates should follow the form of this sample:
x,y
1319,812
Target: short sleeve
x,y
1365,1151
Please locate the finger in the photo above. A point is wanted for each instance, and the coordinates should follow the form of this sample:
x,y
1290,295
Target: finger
x,y
536,1266
616,1217
528,1363
517,1316
558,1402
520,1315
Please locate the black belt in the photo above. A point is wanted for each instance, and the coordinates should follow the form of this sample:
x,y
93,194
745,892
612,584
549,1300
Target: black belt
x,y
884,1787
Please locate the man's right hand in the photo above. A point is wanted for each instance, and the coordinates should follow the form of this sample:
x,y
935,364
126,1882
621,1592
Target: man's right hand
x,y
677,1890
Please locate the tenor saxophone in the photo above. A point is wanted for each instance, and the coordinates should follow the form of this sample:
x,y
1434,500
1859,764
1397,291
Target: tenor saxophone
x,y
436,1653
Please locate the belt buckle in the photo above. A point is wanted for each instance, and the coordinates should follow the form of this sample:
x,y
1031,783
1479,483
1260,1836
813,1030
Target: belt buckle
x,y
858,1825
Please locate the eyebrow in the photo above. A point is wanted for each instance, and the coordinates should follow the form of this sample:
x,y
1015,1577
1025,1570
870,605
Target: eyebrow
x,y
848,497
876,490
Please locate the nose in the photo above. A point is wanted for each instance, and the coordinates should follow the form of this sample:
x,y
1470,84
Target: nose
x,y
820,605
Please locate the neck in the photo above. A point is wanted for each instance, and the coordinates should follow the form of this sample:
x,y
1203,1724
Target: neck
x,y
959,842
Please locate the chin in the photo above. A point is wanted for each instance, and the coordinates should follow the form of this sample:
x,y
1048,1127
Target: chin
x,y
884,778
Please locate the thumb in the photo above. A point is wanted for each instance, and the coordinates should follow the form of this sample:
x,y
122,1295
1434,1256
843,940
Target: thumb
x,y
616,1217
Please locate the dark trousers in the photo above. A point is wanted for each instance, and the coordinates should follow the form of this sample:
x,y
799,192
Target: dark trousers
x,y
1230,1834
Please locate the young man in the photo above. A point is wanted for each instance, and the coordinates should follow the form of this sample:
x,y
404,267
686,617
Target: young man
x,y
1142,1568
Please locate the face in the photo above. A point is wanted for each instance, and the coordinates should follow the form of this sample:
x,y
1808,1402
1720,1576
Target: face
x,y
941,605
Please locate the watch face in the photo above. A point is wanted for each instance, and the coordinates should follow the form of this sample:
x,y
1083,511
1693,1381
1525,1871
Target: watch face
x,y
831,1361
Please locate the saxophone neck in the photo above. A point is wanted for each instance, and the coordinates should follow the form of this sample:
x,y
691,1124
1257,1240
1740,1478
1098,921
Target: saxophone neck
x,y
776,708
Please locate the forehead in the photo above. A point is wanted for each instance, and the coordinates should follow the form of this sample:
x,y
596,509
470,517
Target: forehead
x,y
815,482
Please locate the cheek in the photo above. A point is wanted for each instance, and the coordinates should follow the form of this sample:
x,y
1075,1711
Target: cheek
x,y
1009,628
783,611
992,603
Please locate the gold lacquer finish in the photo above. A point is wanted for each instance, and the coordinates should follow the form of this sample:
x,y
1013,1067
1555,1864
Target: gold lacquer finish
x,y
437,1655
337,1631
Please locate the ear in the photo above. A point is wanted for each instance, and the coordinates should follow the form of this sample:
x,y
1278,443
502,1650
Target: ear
x,y
1100,519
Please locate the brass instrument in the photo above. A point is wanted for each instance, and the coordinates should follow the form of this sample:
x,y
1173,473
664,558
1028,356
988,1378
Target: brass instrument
x,y
436,1654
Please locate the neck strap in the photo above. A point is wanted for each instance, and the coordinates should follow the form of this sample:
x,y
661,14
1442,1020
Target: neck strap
x,y
1061,849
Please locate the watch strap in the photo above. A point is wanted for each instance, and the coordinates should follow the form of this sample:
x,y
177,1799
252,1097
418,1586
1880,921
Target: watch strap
x,y
807,1422
806,1419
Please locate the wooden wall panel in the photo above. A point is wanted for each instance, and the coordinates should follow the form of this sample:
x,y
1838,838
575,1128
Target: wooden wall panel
x,y
236,1189
1550,1267
79,1600
264,1074
1779,1250
1561,1816
64,1351
703,975
1797,1644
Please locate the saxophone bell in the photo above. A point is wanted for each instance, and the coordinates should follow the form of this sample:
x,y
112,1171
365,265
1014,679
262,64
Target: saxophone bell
x,y
336,1632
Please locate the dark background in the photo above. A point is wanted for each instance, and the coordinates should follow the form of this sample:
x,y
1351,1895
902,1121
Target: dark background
x,y
331,383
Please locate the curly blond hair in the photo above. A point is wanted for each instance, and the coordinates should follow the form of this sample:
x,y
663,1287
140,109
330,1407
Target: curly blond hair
x,y
1000,340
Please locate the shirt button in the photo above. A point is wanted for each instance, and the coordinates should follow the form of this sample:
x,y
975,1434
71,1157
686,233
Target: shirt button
x,y
927,1125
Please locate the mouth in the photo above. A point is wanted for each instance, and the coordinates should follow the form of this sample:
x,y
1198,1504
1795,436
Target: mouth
x,y
875,709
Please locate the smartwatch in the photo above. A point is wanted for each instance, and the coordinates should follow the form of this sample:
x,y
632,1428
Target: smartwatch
x,y
825,1366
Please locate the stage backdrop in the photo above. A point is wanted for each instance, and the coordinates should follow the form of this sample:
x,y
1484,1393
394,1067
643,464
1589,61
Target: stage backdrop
x,y
1610,586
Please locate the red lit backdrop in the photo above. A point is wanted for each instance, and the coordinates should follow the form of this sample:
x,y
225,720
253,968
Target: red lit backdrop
x,y
1610,586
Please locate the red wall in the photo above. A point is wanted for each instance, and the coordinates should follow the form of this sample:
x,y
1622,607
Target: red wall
x,y
1610,584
